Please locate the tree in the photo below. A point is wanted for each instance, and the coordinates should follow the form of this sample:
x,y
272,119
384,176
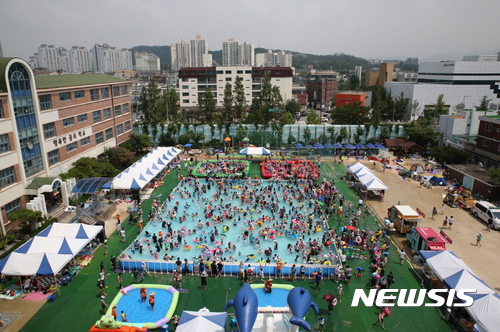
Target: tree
x,y
307,135
313,118
421,133
138,142
400,107
450,155
26,217
206,107
292,106
119,157
342,135
440,106
166,139
152,106
227,114
495,175
350,114
353,83
171,103
484,105
415,109
87,167
458,108
286,118
239,99
385,133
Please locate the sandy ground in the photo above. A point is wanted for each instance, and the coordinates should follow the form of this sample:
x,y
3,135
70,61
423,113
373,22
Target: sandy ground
x,y
484,260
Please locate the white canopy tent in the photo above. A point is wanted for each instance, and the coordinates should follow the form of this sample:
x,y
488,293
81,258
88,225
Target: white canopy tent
x,y
354,167
202,321
139,174
446,263
77,231
53,245
254,151
39,264
375,184
485,311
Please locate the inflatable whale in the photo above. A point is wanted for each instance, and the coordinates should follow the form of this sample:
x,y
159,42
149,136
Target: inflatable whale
x,y
299,301
245,308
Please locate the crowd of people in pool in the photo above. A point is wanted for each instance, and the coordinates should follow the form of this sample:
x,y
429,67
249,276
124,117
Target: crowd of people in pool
x,y
222,167
289,169
257,217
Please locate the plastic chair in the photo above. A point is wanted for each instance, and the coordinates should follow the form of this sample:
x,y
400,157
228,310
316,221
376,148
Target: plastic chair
x,y
52,297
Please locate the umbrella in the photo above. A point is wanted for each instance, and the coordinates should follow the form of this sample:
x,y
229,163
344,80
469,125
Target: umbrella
x,y
379,146
349,146
328,297
227,139
370,146
337,145
359,146
188,145
309,146
328,146
298,145
350,227
359,268
318,145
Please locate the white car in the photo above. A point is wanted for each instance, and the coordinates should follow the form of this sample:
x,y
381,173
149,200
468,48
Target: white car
x,y
325,119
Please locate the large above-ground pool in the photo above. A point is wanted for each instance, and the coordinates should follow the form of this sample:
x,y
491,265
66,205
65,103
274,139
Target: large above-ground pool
x,y
271,234
141,314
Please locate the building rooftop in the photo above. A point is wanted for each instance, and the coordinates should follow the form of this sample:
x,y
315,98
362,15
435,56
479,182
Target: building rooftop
x,y
59,81
475,171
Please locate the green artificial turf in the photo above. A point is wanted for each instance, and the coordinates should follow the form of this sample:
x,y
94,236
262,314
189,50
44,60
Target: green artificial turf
x,y
77,308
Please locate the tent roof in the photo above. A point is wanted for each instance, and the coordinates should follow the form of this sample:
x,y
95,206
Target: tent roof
x,y
77,231
203,321
466,280
446,263
354,167
485,311
376,184
53,245
250,151
40,264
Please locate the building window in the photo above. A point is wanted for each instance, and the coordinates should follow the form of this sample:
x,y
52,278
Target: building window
x,y
124,89
127,126
239,72
105,93
107,113
53,157
4,143
119,129
228,72
7,177
49,130
13,206
98,138
94,94
79,94
82,118
116,91
488,127
71,147
185,94
486,143
68,122
84,141
185,86
228,79
184,80
45,102
118,110
125,108
97,116
64,96
185,101
109,133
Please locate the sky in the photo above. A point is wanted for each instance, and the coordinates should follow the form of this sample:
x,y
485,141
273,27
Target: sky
x,y
371,29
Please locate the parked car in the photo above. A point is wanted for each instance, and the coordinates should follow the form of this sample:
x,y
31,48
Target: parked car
x,y
485,210
303,113
325,119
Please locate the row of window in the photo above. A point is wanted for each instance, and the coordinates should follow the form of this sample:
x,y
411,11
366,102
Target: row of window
x,y
46,100
255,94
7,177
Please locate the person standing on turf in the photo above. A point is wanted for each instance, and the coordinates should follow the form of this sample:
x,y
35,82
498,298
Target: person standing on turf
x,y
203,277
103,305
317,279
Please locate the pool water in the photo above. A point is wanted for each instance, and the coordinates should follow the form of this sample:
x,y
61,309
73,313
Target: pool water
x,y
235,203
276,299
138,312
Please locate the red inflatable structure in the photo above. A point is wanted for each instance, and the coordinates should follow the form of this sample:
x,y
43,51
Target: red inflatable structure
x,y
298,169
